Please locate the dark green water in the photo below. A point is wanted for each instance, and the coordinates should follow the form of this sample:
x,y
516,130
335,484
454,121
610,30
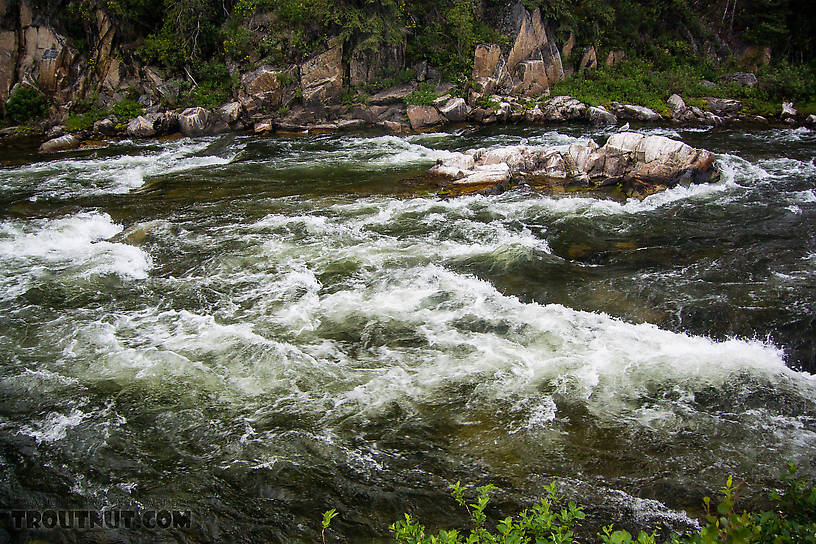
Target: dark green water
x,y
260,329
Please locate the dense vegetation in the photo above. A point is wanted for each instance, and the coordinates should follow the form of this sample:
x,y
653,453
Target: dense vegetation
x,y
553,520
671,45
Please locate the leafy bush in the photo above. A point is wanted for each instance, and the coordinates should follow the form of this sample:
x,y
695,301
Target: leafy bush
x,y
550,521
25,105
423,96
553,521
82,121
126,110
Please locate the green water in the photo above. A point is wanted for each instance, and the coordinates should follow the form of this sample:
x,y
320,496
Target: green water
x,y
260,329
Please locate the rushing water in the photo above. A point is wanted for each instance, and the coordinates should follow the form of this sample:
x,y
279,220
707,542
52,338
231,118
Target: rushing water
x,y
260,329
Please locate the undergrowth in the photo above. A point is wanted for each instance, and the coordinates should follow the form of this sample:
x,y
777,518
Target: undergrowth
x,y
554,520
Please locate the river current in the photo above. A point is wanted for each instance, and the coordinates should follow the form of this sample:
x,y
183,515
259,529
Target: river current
x,y
260,329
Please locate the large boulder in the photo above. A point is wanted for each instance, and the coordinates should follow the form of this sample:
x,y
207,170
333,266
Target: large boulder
x,y
63,143
635,113
563,108
423,116
640,164
598,115
454,110
321,77
140,127
723,106
743,79
194,121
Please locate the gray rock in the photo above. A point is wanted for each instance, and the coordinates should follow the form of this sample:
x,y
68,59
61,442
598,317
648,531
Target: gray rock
x,y
563,108
55,132
194,121
811,120
106,127
63,143
708,84
744,79
676,105
230,112
141,127
636,113
641,164
598,115
723,106
455,110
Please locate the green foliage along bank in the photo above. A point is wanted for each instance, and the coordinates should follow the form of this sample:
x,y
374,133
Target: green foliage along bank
x,y
554,520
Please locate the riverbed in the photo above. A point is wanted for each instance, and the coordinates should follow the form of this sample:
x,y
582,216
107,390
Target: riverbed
x,y
258,329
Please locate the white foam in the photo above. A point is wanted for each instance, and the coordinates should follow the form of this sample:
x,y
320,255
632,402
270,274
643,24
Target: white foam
x,y
73,246
55,426
116,174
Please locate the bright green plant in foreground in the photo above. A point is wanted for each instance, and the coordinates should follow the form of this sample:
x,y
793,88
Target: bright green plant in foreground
x,y
553,521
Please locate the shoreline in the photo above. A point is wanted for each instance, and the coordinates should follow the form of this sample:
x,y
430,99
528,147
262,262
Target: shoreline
x,y
231,118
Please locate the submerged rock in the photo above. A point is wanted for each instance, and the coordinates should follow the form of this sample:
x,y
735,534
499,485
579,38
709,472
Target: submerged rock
x,y
640,164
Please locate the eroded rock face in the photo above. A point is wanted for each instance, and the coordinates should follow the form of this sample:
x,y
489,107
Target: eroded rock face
x,y
640,164
321,77
367,65
530,65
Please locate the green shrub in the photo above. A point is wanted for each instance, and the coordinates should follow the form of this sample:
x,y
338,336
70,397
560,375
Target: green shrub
x,y
553,520
82,121
25,105
423,96
126,110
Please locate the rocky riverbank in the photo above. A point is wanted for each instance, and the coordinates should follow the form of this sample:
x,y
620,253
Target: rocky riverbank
x,y
388,111
510,82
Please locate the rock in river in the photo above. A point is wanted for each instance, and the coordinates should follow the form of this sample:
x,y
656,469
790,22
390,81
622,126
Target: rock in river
x,y
640,164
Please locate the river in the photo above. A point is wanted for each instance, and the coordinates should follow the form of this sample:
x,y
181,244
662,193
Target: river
x,y
260,329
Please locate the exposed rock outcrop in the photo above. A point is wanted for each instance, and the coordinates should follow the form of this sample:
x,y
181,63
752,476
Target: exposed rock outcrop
x,y
367,65
321,77
589,61
640,165
531,64
635,113
598,115
454,110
